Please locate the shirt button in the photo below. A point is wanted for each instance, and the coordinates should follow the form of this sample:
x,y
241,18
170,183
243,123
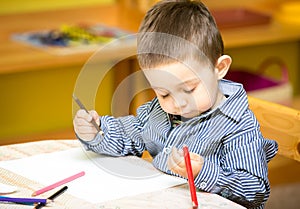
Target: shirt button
x,y
226,193
203,184
167,150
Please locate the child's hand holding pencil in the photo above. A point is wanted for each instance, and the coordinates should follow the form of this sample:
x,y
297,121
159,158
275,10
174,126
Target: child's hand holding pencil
x,y
176,163
83,124
187,165
86,123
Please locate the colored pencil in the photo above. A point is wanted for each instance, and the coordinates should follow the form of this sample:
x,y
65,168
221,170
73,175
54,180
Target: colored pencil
x,y
188,166
58,193
23,200
57,184
52,197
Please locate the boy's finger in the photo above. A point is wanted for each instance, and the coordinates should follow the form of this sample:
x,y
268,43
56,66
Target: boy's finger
x,y
175,167
93,113
177,156
171,163
82,122
196,157
83,114
86,129
95,116
175,161
86,136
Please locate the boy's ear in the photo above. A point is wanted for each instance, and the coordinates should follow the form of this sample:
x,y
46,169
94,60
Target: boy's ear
x,y
222,66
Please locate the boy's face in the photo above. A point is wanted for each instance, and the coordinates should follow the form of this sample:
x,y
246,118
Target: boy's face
x,y
183,91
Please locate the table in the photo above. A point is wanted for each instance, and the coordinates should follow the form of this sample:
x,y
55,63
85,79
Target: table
x,y
174,197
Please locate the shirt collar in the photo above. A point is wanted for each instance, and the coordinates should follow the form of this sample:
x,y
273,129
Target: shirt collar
x,y
236,102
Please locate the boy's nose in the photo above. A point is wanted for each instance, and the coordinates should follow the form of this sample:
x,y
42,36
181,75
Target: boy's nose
x,y
180,102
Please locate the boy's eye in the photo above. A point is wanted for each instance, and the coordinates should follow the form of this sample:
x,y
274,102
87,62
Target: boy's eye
x,y
162,93
189,90
164,96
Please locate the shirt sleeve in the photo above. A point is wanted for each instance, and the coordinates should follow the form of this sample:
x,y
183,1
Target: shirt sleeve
x,y
122,136
241,172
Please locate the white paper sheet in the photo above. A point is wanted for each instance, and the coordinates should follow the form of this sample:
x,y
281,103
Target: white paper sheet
x,y
7,189
106,178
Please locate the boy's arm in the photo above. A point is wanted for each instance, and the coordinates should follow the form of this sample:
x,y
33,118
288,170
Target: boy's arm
x,y
122,136
241,172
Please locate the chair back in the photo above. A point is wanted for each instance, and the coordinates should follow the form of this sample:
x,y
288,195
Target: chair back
x,y
279,123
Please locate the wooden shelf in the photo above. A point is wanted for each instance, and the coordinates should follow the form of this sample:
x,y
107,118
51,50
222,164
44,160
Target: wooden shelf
x,y
17,57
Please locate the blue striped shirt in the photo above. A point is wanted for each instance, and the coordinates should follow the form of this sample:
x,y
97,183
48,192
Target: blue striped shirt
x,y
228,137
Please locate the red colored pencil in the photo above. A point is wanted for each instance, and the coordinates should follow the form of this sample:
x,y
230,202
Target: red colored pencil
x,y
59,183
188,166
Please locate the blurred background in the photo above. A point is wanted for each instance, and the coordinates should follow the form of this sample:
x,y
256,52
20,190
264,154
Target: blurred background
x,y
36,83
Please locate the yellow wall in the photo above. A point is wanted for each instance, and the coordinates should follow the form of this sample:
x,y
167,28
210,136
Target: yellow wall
x,y
17,6
37,102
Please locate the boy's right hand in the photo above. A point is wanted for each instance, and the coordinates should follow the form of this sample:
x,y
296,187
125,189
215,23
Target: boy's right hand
x,y
83,126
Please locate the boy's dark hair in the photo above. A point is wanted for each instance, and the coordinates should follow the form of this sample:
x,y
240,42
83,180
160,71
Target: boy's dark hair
x,y
169,22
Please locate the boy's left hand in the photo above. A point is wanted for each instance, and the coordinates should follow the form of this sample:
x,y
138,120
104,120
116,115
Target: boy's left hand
x,y
176,162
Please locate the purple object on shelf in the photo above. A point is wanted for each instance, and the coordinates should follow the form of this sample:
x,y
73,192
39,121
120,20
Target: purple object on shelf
x,y
250,81
257,80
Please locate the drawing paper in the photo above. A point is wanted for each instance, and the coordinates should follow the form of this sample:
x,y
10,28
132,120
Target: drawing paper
x,y
106,178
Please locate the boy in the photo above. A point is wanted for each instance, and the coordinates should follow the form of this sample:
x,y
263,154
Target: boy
x,y
180,51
